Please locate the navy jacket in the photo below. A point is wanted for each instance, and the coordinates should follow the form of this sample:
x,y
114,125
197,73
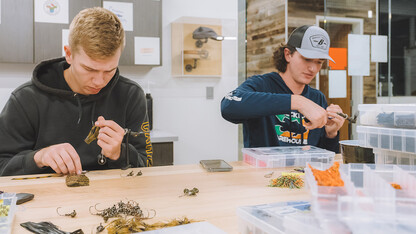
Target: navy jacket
x,y
262,104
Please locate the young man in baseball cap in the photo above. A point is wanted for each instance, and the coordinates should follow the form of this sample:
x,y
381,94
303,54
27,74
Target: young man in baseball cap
x,y
273,107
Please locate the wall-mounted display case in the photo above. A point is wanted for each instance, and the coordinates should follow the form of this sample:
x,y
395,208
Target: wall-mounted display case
x,y
197,46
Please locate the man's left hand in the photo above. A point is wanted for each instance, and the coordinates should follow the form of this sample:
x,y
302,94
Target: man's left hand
x,y
109,138
335,121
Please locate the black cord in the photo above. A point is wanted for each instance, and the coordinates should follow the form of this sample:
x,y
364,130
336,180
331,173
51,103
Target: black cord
x,y
128,131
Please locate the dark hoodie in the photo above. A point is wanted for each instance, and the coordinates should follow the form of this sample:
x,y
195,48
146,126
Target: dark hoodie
x,y
45,112
263,105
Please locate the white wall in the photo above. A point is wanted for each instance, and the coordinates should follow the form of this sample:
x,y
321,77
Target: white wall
x,y
12,76
179,104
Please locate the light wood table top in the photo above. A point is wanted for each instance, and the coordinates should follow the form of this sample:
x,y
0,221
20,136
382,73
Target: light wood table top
x,y
158,188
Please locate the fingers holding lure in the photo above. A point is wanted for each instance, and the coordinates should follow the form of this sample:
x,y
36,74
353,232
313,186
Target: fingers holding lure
x,y
343,115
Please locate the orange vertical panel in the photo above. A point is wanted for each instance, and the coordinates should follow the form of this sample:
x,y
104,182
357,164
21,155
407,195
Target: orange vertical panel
x,y
339,55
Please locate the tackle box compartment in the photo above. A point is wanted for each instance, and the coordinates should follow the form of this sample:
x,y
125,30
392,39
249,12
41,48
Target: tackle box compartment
x,y
7,211
382,156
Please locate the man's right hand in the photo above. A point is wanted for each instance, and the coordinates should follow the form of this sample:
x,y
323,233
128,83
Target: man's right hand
x,y
62,158
312,111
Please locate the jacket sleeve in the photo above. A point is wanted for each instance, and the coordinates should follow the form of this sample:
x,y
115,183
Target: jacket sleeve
x,y
18,137
139,149
250,100
331,144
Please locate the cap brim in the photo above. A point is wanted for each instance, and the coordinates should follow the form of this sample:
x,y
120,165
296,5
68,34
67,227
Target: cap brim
x,y
313,54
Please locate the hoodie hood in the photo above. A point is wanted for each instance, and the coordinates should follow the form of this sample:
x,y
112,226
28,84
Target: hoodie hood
x,y
48,76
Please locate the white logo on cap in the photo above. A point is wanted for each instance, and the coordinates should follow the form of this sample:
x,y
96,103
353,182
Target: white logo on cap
x,y
318,41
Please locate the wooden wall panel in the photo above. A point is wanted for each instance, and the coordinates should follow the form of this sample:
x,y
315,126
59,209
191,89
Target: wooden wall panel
x,y
265,31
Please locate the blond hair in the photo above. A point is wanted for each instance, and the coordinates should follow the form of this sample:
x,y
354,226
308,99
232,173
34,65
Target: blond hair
x,y
97,31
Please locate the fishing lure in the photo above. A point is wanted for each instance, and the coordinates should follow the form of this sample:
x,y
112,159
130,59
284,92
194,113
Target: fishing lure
x,y
135,224
72,214
190,192
345,116
92,135
100,228
77,180
268,175
132,174
46,227
101,159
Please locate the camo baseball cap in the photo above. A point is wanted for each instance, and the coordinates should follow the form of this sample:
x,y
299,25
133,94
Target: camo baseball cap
x,y
311,42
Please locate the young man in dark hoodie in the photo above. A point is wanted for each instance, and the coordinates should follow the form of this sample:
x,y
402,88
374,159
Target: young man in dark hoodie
x,y
45,121
280,109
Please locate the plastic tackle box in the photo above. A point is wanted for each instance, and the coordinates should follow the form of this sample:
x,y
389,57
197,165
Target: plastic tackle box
x,y
7,211
388,115
286,156
294,217
395,139
273,218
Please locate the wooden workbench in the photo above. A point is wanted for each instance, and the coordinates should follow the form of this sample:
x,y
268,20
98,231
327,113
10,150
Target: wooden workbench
x,y
158,188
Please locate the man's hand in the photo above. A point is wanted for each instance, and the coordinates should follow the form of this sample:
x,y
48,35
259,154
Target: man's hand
x,y
62,158
316,115
110,138
335,121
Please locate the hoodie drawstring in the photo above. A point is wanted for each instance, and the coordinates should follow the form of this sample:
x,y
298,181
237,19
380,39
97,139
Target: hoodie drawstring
x,y
93,114
79,108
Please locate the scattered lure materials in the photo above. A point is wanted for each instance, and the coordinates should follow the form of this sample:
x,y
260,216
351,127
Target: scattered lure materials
x,y
135,224
287,181
329,177
396,186
4,209
131,208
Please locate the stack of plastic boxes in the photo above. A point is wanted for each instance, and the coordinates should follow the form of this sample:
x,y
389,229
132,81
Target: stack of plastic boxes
x,y
390,129
367,203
